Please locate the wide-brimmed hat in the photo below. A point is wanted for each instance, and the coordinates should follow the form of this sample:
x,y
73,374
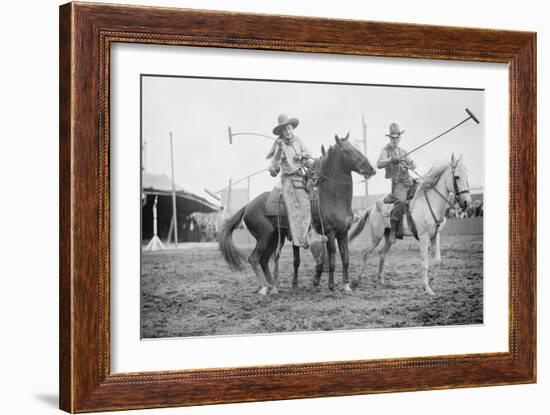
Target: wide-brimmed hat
x,y
283,121
394,130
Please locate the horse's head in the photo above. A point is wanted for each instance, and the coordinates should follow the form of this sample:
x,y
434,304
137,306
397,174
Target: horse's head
x,y
354,159
458,182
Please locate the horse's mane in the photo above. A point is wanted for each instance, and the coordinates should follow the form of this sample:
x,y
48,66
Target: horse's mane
x,y
430,179
321,164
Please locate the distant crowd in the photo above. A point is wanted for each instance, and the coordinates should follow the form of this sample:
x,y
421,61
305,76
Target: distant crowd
x,y
204,227
473,211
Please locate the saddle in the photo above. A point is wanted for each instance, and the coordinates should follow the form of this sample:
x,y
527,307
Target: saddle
x,y
389,199
275,204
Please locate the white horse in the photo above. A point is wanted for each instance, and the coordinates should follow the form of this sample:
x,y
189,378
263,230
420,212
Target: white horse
x,y
428,208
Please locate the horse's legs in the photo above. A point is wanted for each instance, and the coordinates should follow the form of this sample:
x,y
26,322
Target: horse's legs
x,y
424,246
344,255
254,261
265,256
372,242
383,252
276,261
319,263
331,247
296,251
436,258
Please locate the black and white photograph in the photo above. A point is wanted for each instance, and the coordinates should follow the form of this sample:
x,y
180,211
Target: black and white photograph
x,y
277,206
209,207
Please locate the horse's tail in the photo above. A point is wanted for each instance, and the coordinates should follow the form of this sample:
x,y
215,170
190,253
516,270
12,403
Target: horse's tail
x,y
232,255
361,225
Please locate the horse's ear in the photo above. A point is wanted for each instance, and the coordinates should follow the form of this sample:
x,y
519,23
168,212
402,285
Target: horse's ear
x,y
453,159
336,139
347,136
323,152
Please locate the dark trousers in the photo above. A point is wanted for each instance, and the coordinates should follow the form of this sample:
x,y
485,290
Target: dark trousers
x,y
399,200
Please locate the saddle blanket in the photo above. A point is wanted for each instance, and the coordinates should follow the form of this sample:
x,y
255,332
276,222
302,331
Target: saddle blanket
x,y
275,205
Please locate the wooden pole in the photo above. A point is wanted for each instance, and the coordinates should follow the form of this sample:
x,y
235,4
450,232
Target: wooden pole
x,y
144,156
155,243
170,230
174,207
143,161
365,152
228,201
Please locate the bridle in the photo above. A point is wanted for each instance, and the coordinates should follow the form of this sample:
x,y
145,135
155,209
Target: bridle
x,y
318,172
457,193
455,185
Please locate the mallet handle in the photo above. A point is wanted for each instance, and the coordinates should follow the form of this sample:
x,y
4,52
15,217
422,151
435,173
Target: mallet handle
x,y
471,115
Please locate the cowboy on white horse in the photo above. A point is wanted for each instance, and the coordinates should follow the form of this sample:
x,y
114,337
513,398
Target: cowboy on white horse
x,y
290,156
393,158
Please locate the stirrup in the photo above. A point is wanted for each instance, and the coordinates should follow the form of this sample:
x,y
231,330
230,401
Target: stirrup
x,y
314,237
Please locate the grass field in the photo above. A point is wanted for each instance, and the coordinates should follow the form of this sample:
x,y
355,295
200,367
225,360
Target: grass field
x,y
192,292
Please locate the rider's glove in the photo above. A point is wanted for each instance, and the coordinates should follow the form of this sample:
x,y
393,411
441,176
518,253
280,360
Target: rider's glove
x,y
273,171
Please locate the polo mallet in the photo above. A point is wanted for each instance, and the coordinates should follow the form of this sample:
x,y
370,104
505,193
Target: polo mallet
x,y
470,115
231,134
215,194
212,194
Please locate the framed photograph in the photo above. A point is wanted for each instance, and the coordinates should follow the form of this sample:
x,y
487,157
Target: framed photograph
x,y
258,207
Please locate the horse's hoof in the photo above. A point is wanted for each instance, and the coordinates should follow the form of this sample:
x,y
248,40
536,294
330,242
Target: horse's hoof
x,y
263,291
347,289
316,281
274,290
354,283
331,286
295,285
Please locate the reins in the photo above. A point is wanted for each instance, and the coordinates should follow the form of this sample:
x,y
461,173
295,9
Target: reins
x,y
456,198
332,180
318,172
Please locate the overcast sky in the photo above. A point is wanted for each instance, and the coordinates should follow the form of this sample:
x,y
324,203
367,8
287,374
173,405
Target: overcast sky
x,y
198,112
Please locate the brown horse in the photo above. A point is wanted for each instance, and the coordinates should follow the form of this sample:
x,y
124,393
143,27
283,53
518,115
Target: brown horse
x,y
333,218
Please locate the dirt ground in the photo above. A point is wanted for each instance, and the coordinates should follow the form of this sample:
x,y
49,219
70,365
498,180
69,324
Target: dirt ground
x,y
192,292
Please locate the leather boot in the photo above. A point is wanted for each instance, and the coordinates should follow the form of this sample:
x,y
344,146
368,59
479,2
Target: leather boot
x,y
393,232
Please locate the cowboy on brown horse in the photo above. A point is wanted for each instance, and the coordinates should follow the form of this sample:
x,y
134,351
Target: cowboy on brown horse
x,y
393,158
290,156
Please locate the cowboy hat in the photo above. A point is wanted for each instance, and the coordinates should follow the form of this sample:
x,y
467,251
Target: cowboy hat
x,y
283,121
394,130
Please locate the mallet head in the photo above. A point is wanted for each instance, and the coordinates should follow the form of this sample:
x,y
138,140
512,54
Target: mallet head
x,y
472,116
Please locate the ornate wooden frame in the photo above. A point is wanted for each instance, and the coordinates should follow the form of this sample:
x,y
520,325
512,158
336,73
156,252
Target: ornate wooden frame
x,y
86,33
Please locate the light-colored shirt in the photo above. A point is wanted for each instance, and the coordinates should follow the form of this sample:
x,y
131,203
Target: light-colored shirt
x,y
283,157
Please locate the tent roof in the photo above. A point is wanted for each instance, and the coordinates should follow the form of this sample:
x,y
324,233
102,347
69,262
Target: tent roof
x,y
158,182
161,185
